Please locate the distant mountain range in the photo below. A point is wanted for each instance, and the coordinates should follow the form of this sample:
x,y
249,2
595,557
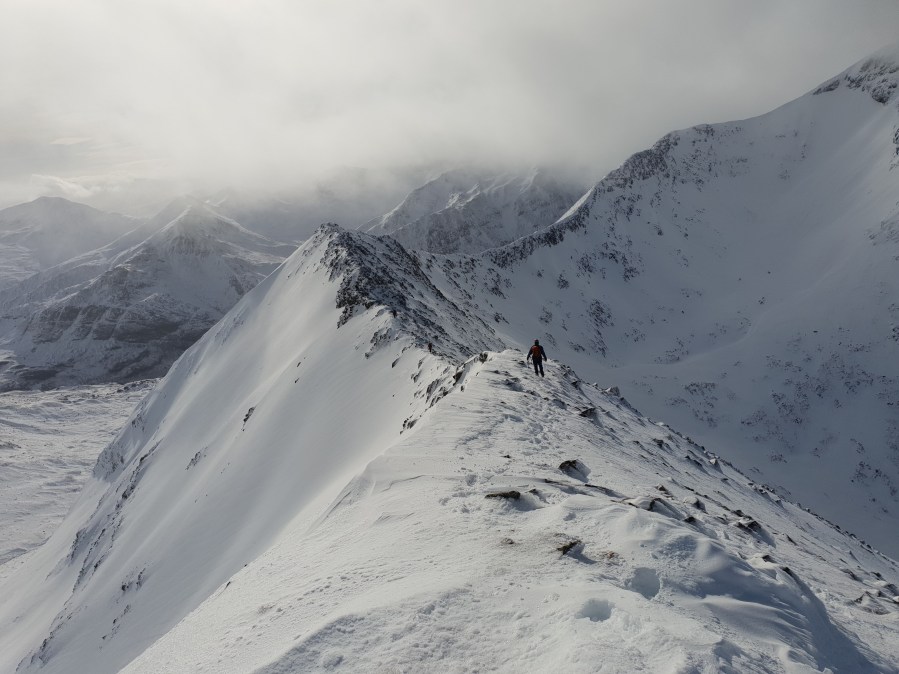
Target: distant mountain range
x,y
90,297
348,196
50,230
469,212
129,309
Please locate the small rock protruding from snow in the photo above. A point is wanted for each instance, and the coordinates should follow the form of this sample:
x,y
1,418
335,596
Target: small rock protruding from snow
x,y
511,494
568,546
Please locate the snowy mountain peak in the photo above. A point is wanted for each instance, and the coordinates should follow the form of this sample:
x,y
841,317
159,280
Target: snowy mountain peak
x,y
876,75
468,212
218,503
356,467
129,313
200,230
378,272
311,435
49,230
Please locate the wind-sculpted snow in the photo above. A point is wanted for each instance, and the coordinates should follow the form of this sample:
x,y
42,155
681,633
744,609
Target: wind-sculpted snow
x,y
652,556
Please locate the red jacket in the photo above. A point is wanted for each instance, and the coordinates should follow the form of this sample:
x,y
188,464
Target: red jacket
x,y
537,353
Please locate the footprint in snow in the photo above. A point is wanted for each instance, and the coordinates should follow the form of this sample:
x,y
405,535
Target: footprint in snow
x,y
596,610
645,581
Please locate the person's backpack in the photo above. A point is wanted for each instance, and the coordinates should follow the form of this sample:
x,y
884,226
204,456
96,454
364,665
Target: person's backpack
x,y
536,352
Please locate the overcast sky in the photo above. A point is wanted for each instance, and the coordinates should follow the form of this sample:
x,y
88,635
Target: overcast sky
x,y
105,97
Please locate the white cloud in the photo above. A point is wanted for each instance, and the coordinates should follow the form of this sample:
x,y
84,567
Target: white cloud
x,y
70,140
273,92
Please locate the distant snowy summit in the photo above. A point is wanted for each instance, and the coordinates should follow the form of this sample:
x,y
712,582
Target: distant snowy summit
x,y
348,195
877,76
128,310
49,230
465,211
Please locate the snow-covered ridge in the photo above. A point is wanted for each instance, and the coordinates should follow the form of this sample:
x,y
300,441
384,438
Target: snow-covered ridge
x,y
380,272
623,544
309,487
877,76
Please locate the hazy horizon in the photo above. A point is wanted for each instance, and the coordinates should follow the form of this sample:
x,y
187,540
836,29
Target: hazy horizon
x,y
122,105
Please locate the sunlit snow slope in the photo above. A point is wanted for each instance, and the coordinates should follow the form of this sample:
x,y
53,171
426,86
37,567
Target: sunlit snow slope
x,y
309,488
308,406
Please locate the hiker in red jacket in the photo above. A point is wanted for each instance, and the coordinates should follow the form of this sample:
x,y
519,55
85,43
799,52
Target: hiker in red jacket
x,y
538,355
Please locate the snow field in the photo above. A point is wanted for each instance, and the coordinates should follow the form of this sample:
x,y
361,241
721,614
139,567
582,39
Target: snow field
x,y
49,441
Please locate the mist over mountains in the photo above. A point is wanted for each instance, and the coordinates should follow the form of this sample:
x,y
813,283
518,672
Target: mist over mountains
x,y
466,212
126,310
48,231
350,458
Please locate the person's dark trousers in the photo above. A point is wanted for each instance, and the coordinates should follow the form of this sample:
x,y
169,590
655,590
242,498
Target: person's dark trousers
x,y
538,366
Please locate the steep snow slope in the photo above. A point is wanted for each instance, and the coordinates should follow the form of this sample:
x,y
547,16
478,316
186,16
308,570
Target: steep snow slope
x,y
49,230
49,441
741,281
122,313
468,212
309,488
